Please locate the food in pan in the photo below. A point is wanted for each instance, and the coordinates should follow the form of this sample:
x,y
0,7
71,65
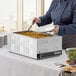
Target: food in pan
x,y
34,34
70,69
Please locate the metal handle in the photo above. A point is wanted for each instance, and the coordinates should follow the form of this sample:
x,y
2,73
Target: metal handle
x,y
30,27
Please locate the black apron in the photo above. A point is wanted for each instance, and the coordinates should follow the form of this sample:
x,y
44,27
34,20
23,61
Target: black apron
x,y
69,41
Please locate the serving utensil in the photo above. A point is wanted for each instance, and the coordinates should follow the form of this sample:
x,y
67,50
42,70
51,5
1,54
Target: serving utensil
x,y
30,27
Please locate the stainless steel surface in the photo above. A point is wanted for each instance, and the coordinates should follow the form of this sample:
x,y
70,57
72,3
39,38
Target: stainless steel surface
x,y
30,47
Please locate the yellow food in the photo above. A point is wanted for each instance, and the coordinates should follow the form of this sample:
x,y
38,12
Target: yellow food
x,y
70,68
34,34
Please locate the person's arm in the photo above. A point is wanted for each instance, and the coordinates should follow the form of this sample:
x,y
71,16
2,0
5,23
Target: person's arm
x,y
46,19
71,28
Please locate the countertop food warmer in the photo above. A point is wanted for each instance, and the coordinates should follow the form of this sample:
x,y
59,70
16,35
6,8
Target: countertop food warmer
x,y
35,44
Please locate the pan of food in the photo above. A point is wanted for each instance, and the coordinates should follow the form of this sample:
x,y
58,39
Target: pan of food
x,y
34,34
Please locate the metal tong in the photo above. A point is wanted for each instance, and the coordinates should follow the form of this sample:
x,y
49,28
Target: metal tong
x,y
48,32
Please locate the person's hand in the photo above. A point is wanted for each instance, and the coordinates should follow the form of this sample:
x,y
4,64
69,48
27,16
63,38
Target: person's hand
x,y
36,20
56,29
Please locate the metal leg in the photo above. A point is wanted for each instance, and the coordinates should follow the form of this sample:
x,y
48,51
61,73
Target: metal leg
x,y
67,74
74,74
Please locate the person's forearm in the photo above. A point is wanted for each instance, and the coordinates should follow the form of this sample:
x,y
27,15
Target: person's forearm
x,y
44,20
67,29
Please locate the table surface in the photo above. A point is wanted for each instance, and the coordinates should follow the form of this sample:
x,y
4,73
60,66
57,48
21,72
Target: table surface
x,y
48,63
61,59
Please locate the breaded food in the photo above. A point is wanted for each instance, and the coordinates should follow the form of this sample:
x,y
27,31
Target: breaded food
x,y
34,34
